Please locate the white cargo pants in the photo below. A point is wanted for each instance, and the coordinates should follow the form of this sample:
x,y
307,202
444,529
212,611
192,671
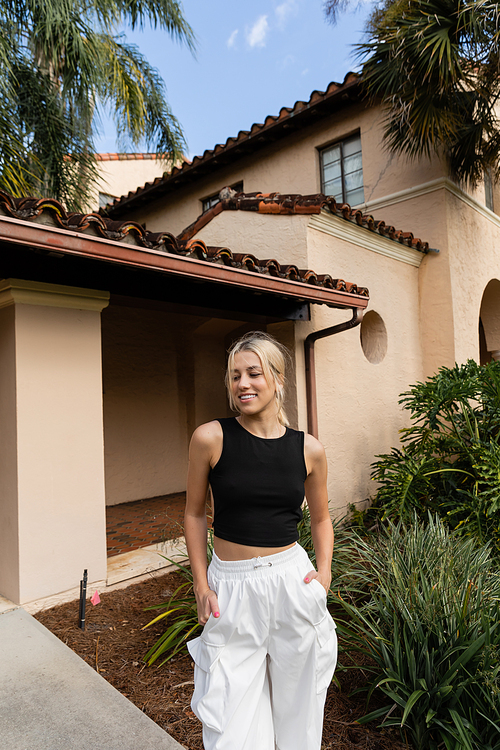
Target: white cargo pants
x,y
263,667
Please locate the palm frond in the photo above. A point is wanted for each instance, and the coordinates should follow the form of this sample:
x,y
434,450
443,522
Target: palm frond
x,y
435,66
60,64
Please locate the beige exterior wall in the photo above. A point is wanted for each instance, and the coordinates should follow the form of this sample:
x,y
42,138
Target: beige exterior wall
x,y
425,212
52,335
474,234
163,371
118,176
9,517
358,409
431,312
353,393
281,237
452,281
292,165
144,416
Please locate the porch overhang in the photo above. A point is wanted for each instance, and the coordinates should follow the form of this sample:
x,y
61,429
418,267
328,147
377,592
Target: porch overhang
x,y
42,252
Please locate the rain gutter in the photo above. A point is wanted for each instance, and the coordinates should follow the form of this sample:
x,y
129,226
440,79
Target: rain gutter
x,y
311,392
68,242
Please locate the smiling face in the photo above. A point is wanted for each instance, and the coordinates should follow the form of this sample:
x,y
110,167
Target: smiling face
x,y
263,365
251,392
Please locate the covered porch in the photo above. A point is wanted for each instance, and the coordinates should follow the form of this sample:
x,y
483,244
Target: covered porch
x,y
112,350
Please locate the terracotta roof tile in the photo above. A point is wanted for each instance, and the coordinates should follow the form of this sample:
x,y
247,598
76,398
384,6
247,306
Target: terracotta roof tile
x,y
31,209
125,157
289,204
320,103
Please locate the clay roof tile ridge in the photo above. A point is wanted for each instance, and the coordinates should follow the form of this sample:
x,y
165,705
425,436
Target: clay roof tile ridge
x,y
133,232
298,204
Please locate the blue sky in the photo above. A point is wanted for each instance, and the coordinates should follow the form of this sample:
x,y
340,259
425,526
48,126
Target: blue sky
x,y
252,59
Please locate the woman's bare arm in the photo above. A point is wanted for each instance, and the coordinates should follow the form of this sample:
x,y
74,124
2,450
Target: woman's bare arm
x,y
317,500
205,446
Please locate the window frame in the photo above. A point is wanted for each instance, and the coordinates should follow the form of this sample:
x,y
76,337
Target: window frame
x,y
340,142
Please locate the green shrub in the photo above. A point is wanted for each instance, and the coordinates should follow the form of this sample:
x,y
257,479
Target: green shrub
x,y
431,629
450,460
180,612
182,619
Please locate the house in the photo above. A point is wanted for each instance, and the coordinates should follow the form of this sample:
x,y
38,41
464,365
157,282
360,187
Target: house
x,y
432,302
113,328
121,172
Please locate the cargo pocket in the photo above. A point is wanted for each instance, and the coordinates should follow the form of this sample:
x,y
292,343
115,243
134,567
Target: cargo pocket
x,y
326,651
319,588
325,647
209,697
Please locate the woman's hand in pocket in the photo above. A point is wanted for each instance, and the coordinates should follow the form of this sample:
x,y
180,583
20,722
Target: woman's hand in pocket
x,y
324,578
207,604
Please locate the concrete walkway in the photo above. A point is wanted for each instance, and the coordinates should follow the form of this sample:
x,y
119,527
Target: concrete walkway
x,y
50,699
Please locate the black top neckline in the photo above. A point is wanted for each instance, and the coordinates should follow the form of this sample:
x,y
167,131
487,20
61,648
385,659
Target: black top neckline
x,y
258,436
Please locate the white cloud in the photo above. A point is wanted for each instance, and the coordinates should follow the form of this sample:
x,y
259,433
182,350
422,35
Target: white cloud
x,y
256,36
232,39
284,11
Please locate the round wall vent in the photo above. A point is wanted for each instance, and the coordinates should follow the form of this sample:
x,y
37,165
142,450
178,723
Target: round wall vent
x,y
373,336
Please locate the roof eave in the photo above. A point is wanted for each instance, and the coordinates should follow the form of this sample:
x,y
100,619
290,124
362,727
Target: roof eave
x,y
54,240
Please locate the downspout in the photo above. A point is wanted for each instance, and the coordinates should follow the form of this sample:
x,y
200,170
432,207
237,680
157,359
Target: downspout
x,y
311,397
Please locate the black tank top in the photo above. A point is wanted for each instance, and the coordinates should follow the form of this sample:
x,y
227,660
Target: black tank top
x,y
258,487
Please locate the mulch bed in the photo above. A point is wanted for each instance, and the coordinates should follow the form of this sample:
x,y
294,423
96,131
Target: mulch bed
x,y
114,644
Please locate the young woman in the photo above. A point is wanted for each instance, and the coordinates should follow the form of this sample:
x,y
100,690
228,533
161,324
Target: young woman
x,y
268,649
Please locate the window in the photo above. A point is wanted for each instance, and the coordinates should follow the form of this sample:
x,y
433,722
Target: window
x,y
105,198
342,171
212,200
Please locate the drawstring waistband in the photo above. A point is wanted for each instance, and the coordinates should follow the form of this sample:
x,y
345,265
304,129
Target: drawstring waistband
x,y
257,566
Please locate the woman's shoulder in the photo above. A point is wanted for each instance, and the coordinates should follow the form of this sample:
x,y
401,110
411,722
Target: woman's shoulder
x,y
206,443
313,449
208,433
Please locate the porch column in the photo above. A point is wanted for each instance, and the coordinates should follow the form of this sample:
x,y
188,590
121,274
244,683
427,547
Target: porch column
x,y
52,503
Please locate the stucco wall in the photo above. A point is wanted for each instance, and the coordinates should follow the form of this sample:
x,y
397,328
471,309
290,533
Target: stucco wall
x,y
281,237
358,409
474,236
426,215
9,517
60,462
118,177
52,521
453,280
144,414
292,165
353,393
431,313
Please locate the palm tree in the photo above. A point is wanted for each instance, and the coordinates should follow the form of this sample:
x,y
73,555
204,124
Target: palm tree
x,y
61,63
435,65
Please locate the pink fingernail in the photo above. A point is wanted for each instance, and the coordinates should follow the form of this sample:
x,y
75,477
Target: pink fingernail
x,y
216,614
307,580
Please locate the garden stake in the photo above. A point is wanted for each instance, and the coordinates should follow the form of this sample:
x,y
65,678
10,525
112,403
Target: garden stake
x,y
83,597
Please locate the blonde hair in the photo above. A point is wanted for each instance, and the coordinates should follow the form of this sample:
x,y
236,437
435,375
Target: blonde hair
x,y
274,358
